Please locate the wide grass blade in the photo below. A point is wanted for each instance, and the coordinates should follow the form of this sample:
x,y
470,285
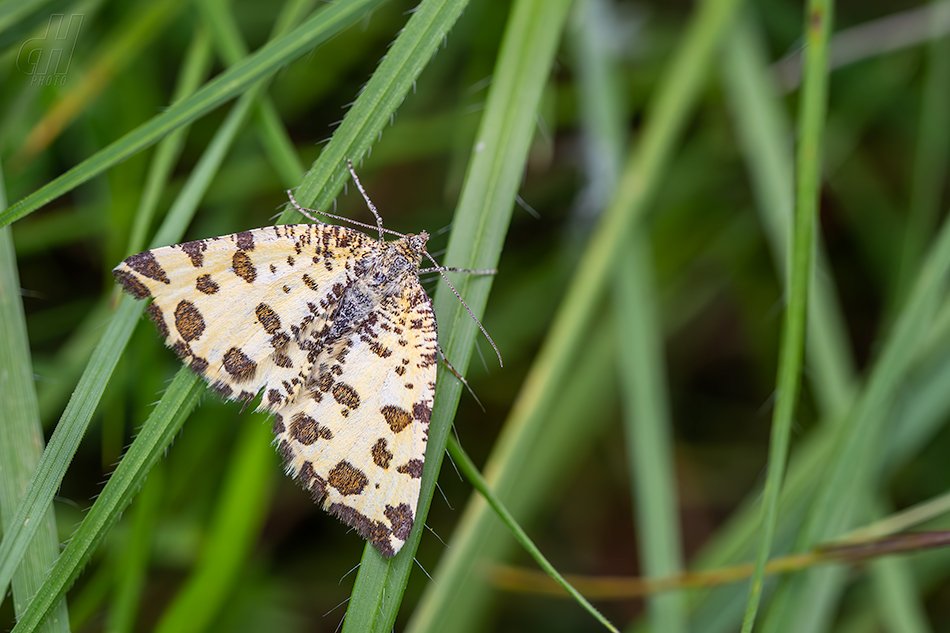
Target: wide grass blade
x,y
21,434
149,446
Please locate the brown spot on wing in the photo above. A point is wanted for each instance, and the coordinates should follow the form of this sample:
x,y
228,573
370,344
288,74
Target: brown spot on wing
x,y
146,265
188,320
413,468
312,481
268,318
381,455
347,479
243,267
239,365
198,364
305,430
422,412
401,519
373,531
206,284
156,315
286,451
222,389
346,395
245,240
397,418
311,283
131,285
278,426
195,252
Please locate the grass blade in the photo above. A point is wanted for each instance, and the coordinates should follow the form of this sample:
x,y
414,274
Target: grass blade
x,y
792,347
21,434
464,462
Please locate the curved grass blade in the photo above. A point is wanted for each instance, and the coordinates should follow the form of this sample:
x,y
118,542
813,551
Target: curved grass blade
x,y
467,468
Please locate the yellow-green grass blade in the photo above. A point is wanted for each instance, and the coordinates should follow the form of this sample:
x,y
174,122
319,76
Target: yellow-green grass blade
x,y
648,429
229,84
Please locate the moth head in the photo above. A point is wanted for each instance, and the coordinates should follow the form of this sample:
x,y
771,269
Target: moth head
x,y
415,246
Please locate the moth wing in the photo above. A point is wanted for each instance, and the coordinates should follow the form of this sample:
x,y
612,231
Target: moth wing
x,y
357,438
241,309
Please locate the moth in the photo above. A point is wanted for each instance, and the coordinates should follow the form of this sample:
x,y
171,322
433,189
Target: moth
x,y
336,333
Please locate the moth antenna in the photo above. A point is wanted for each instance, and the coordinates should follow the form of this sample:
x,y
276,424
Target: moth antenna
x,y
481,327
460,377
307,214
450,269
369,203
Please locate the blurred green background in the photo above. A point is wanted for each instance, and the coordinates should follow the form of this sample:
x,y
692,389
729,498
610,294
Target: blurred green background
x,y
709,266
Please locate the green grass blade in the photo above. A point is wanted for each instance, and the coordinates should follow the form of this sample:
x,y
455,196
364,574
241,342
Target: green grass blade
x,y
764,135
792,346
468,469
234,530
229,84
21,434
147,448
569,333
59,452
130,561
479,228
648,429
